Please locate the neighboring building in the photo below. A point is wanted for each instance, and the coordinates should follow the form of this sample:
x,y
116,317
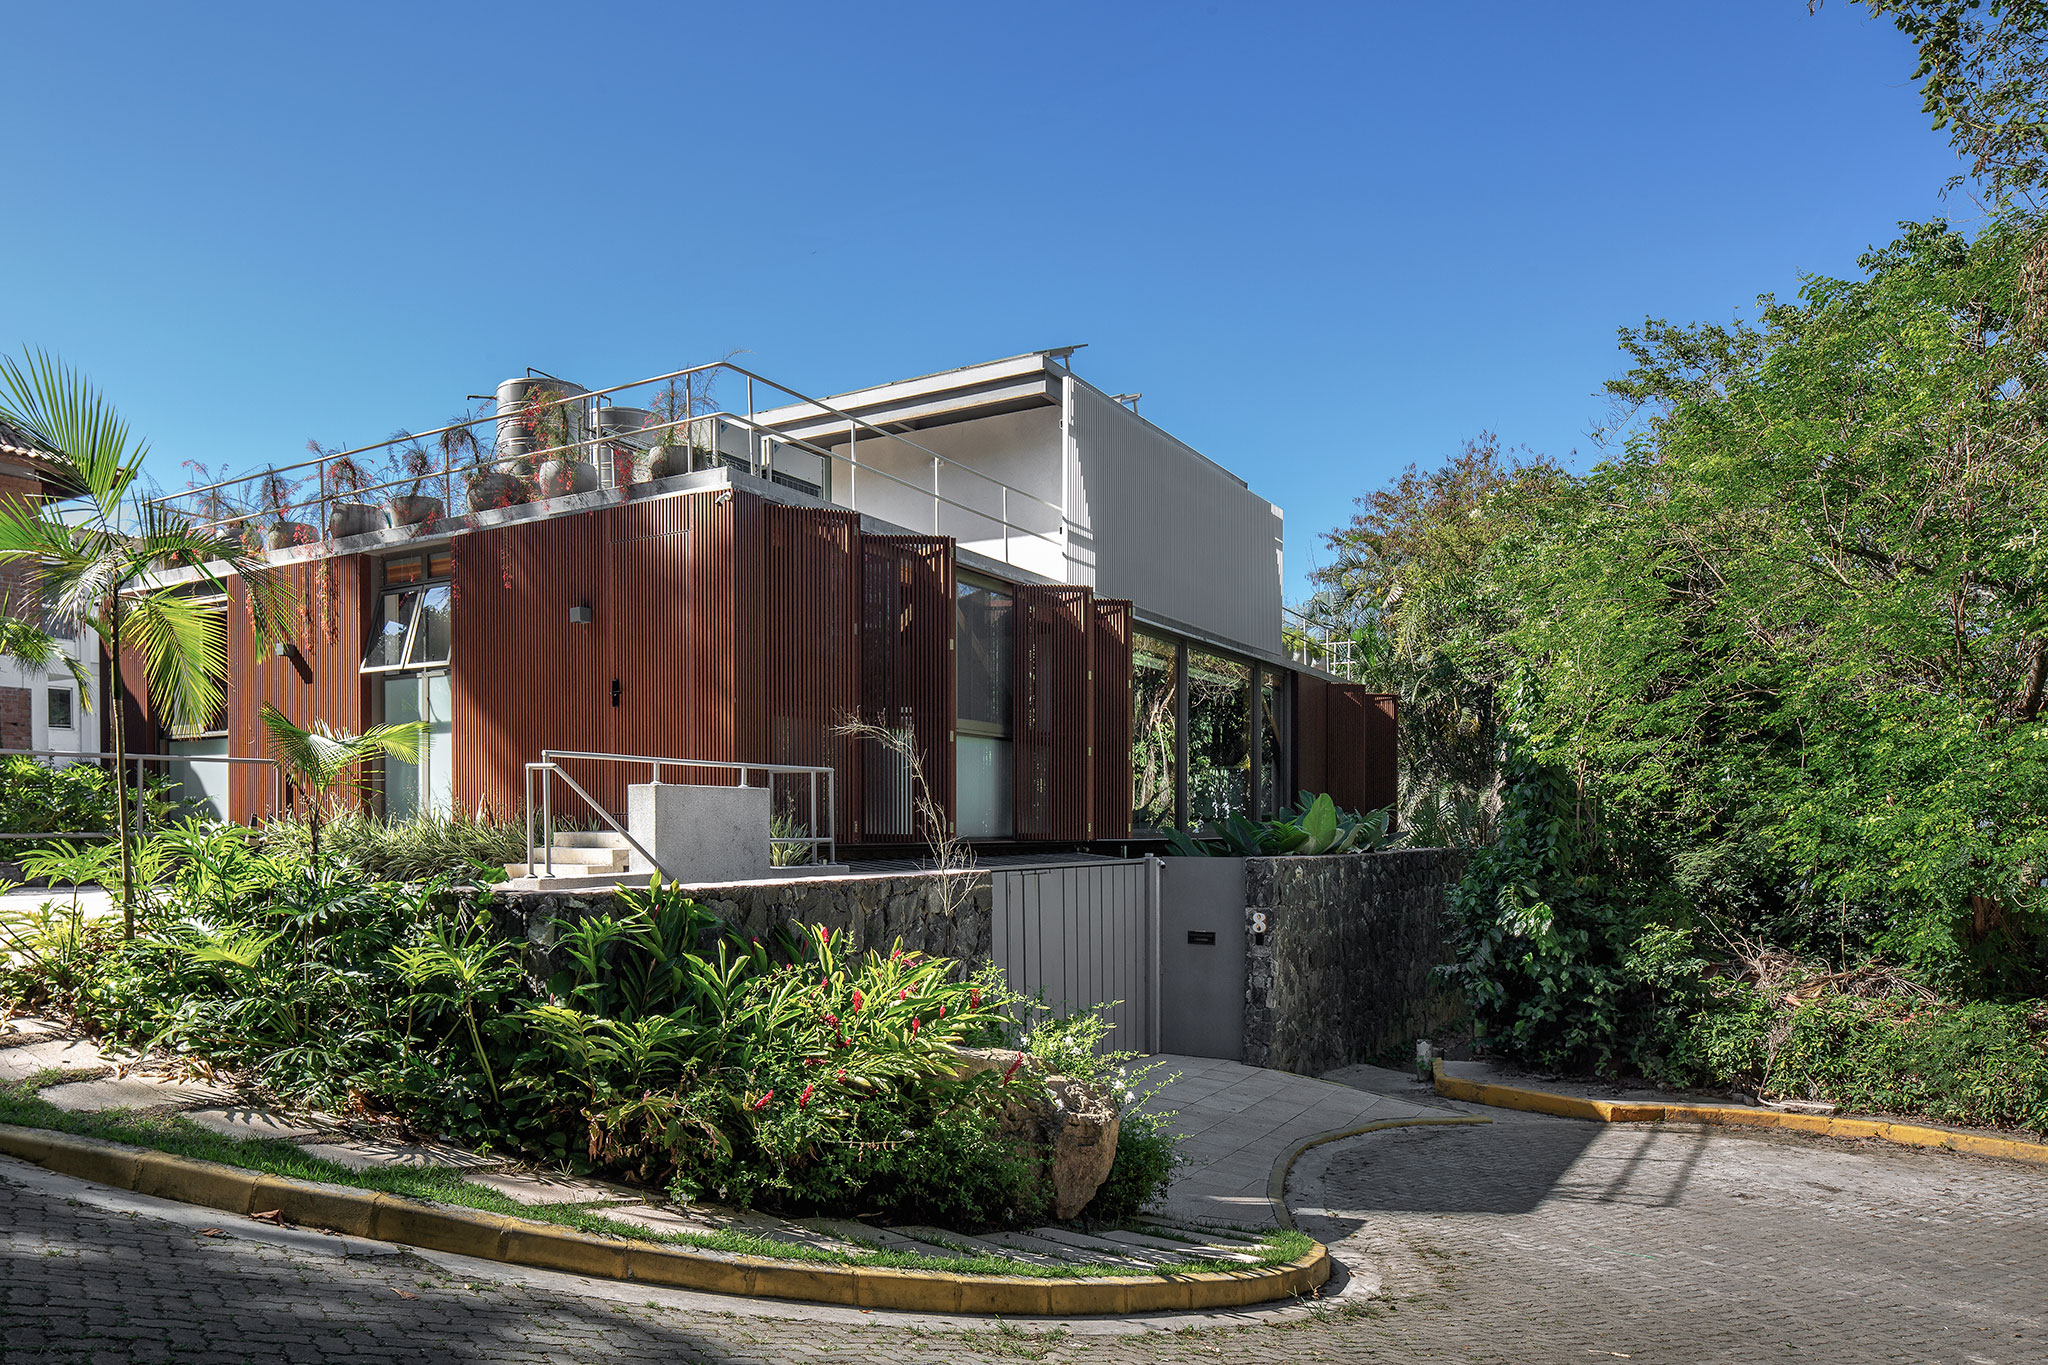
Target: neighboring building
x,y
40,708
1074,616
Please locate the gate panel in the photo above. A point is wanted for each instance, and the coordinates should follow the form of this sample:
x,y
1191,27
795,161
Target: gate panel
x,y
1078,935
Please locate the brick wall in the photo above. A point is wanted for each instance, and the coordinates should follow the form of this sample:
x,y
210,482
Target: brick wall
x,y
17,727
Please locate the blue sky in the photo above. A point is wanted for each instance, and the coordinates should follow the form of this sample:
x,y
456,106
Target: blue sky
x,y
1324,241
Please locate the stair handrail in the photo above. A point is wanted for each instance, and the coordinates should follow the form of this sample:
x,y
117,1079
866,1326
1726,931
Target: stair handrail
x,y
549,768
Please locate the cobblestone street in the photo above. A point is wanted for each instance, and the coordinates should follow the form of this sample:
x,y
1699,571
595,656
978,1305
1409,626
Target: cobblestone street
x,y
1531,1239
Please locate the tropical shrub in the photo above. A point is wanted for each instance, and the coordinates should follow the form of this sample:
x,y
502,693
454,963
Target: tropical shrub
x,y
795,1074
78,798
414,850
1315,826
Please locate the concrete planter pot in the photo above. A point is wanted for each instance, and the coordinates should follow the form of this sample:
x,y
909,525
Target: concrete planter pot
x,y
660,463
487,491
561,478
284,535
347,519
412,510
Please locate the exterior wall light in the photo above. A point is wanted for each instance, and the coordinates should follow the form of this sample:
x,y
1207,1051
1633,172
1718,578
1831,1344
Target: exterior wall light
x,y
579,616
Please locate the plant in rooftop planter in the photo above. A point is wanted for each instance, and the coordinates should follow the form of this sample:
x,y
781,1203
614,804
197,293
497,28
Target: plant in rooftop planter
x,y
276,493
561,473
410,508
492,488
217,506
342,481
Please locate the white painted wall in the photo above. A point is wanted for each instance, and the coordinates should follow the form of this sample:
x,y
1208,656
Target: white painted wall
x,y
1155,521
84,734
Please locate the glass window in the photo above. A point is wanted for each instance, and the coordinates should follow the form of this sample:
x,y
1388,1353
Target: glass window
x,y
986,637
430,637
1152,732
387,636
60,708
1275,779
397,571
983,786
441,564
1219,737
401,779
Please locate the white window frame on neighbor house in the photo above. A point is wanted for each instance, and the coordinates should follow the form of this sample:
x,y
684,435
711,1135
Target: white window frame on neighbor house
x,y
70,696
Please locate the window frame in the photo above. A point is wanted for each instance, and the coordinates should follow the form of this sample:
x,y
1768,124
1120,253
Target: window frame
x,y
70,695
415,614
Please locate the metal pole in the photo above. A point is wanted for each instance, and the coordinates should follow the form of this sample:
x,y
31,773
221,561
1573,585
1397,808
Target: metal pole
x,y
529,822
812,830
832,811
935,495
1180,735
1153,867
547,814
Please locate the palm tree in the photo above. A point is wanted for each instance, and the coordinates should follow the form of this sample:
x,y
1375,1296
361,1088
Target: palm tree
x,y
117,564
323,760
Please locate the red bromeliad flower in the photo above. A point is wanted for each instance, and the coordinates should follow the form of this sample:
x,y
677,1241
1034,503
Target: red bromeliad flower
x,y
942,1011
805,1098
913,1025
905,995
1013,1068
857,1001
762,1103
833,1020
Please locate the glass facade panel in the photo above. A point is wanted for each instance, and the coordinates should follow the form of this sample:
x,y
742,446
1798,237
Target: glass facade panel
x,y
1275,725
199,788
1219,737
985,795
437,746
1153,778
401,779
987,648
387,636
430,640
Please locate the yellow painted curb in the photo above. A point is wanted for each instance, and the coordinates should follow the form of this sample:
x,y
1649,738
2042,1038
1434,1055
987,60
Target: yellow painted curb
x,y
1276,1184
1732,1116
519,1241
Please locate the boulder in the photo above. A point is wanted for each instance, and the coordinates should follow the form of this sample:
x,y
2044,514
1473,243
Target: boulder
x,y
1068,1129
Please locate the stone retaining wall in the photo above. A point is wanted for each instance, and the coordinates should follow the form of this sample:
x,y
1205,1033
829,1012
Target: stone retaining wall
x,y
1343,970
872,912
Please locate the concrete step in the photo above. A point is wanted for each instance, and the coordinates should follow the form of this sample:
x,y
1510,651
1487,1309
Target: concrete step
x,y
517,880
585,855
590,838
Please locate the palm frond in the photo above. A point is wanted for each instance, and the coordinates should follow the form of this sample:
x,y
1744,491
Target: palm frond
x,y
183,646
27,643
57,408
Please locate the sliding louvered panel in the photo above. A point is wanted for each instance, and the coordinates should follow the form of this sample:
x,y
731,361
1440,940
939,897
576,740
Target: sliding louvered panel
x,y
1054,700
1111,666
906,685
811,670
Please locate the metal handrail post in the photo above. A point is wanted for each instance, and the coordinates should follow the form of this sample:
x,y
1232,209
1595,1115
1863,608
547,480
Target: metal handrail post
x,y
832,810
547,813
529,822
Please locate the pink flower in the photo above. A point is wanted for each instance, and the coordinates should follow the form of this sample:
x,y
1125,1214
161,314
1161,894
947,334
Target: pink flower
x,y
762,1103
942,1011
913,1025
1013,1068
832,1019
805,1098
857,1001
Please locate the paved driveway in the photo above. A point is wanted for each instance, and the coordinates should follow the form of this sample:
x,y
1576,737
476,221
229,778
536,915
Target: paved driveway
x,y
1527,1240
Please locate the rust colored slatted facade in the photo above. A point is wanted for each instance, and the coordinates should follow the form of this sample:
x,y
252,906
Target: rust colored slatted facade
x,y
811,671
320,680
1055,713
522,676
1311,733
907,679
1111,670
1359,748
666,666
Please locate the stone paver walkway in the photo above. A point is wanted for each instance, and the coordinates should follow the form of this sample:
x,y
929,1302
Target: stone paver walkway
x,y
1237,1121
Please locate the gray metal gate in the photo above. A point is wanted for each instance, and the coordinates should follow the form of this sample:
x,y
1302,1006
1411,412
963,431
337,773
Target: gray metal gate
x,y
1076,935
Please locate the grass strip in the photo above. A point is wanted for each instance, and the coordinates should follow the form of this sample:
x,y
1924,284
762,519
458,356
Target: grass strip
x,y
179,1136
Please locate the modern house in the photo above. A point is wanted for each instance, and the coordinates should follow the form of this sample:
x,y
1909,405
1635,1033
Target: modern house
x,y
1072,617
40,708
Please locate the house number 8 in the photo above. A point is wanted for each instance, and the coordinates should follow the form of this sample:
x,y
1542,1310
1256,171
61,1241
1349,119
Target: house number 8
x,y
1258,921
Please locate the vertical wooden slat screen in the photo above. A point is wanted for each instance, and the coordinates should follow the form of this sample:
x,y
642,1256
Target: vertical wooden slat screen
x,y
1382,752
1311,733
1362,773
1054,700
1111,665
523,677
321,680
811,671
907,679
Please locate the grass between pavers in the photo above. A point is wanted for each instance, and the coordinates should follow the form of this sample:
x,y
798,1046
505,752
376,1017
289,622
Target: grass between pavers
x,y
19,1105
